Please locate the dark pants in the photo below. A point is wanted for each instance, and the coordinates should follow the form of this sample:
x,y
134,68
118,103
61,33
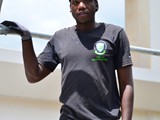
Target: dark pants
x,y
66,117
67,114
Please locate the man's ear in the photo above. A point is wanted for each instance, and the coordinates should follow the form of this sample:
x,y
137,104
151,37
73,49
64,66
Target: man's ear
x,y
70,7
97,6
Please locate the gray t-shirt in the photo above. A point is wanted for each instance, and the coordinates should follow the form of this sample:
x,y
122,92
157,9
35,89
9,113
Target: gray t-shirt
x,y
88,63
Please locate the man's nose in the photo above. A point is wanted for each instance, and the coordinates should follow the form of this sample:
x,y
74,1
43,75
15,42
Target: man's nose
x,y
82,5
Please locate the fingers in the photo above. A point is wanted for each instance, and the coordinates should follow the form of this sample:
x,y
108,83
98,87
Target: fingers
x,y
9,23
19,29
13,26
16,29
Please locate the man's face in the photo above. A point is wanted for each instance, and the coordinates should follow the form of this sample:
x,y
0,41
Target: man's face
x,y
83,10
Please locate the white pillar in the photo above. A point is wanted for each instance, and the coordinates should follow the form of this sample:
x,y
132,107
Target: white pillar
x,y
155,31
138,29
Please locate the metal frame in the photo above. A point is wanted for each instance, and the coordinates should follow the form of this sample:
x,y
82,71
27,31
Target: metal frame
x,y
1,4
4,31
133,48
143,50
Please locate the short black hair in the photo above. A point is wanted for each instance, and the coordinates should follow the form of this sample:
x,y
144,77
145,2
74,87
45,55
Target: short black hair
x,y
96,4
95,0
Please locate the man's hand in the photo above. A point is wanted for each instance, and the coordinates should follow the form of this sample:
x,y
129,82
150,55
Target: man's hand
x,y
17,28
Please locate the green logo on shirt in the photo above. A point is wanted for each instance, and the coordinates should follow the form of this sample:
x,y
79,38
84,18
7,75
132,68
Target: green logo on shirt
x,y
100,50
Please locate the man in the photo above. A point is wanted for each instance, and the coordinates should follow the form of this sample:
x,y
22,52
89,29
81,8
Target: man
x,y
89,53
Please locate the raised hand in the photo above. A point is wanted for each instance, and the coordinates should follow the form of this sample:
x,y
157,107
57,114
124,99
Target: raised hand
x,y
19,29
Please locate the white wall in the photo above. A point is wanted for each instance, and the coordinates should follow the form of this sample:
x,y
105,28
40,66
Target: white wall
x,y
146,115
16,108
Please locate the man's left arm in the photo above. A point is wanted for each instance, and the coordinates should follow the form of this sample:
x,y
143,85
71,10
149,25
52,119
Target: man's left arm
x,y
126,91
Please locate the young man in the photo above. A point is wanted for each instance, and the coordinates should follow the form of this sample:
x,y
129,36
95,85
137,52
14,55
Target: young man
x,y
89,53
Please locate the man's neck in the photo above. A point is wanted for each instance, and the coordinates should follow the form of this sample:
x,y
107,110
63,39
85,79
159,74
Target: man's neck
x,y
87,26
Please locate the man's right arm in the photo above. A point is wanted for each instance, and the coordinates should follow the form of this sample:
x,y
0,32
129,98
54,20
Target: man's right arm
x,y
34,71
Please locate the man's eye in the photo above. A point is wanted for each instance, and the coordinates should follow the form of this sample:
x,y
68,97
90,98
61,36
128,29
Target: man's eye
x,y
74,2
87,1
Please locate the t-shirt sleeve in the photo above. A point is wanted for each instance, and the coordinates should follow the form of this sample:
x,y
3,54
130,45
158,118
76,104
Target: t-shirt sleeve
x,y
122,56
49,58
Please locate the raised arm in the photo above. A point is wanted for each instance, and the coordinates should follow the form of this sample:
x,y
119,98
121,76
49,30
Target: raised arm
x,y
34,71
126,91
